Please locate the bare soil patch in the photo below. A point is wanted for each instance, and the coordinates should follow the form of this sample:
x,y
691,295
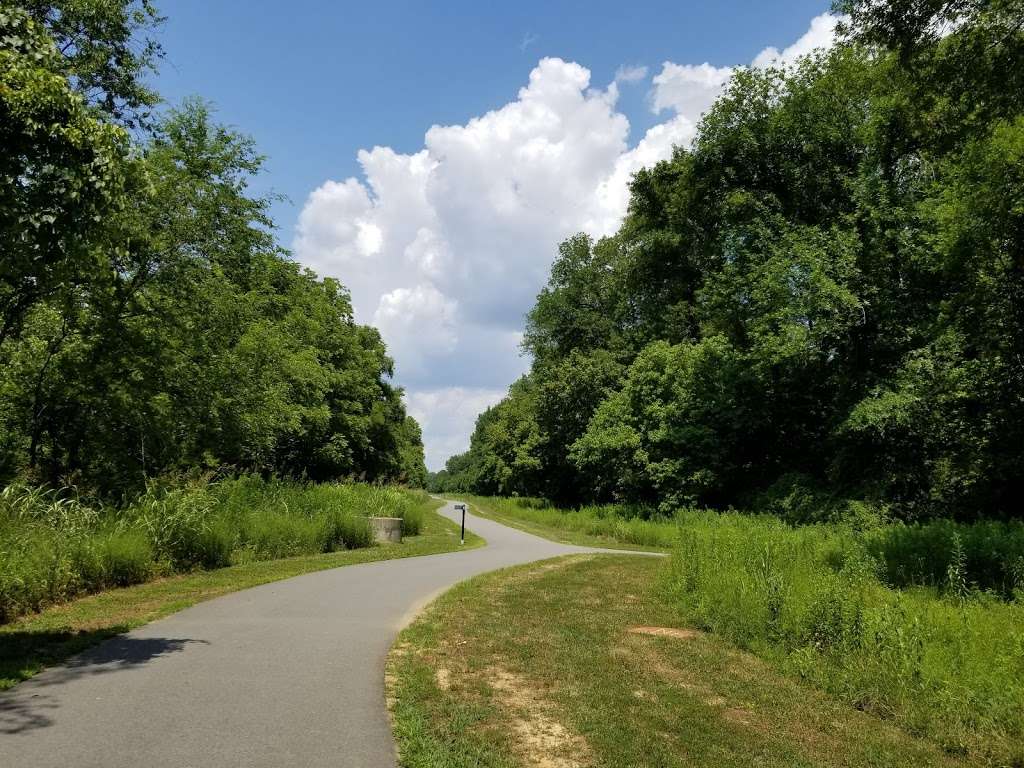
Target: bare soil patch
x,y
676,632
543,741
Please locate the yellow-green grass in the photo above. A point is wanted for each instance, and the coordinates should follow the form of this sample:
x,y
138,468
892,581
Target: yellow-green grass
x,y
52,635
587,527
537,665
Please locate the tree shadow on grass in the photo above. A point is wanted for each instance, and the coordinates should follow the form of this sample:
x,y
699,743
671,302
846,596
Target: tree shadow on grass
x,y
22,654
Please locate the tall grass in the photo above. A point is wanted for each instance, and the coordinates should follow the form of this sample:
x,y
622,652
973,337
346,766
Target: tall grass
x,y
990,554
945,661
619,523
54,546
922,624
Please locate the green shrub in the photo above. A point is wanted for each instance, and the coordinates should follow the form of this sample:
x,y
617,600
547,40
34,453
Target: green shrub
x,y
185,529
385,502
33,575
272,535
412,520
109,559
922,554
527,502
797,498
86,565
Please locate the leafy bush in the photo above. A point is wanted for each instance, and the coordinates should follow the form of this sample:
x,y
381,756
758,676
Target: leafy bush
x,y
271,535
412,512
186,529
127,558
341,530
33,575
797,498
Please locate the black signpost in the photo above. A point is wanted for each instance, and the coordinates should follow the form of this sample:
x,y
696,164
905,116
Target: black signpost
x,y
463,508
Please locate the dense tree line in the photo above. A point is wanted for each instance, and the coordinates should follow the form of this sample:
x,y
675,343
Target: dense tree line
x,y
149,320
821,299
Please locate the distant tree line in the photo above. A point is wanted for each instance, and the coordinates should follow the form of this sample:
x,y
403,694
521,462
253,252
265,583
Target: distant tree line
x,y
822,299
149,320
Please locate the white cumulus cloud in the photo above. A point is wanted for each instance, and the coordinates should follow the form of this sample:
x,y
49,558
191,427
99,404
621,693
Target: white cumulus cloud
x,y
822,34
418,326
690,89
448,416
445,249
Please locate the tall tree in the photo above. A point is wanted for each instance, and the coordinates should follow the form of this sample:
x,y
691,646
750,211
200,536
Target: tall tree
x,y
172,332
62,170
824,290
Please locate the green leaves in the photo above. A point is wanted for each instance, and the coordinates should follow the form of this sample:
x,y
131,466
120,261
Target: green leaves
x,y
105,52
824,291
62,171
665,431
150,321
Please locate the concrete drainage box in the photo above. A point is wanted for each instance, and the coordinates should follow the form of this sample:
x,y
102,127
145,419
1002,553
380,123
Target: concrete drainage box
x,y
386,529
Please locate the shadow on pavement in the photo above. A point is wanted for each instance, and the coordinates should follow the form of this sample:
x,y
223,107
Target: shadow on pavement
x,y
25,707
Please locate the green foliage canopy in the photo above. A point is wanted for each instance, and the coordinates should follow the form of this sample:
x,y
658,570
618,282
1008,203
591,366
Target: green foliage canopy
x,y
826,290
150,321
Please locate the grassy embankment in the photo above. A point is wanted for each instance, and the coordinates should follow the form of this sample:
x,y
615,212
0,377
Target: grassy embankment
x,y
281,532
557,678
605,525
816,645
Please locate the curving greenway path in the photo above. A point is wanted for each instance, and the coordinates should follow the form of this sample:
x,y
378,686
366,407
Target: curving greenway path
x,y
285,674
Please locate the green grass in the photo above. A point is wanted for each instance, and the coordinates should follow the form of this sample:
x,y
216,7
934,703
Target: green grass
x,y
55,547
945,662
537,663
34,642
989,554
594,526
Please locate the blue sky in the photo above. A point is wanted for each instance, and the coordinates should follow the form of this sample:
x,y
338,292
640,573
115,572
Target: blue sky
x,y
446,237
314,81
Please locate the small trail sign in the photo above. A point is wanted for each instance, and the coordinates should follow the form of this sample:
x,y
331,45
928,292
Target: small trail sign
x,y
462,507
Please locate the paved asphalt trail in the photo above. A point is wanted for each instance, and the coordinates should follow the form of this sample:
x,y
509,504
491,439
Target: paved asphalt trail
x,y
285,674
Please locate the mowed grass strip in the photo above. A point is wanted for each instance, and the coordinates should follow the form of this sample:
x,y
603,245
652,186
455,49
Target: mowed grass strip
x,y
53,635
584,527
578,662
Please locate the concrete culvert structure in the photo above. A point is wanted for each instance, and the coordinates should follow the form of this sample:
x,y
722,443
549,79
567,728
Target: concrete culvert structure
x,y
386,529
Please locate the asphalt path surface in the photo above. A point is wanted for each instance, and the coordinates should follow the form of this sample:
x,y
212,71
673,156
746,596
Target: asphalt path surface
x,y
289,673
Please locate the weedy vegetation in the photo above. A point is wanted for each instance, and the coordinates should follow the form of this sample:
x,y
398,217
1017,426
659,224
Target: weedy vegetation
x,y
582,661
55,546
921,625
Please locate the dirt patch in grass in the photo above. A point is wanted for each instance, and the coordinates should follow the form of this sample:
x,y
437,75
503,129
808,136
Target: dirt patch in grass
x,y
444,678
677,632
542,740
